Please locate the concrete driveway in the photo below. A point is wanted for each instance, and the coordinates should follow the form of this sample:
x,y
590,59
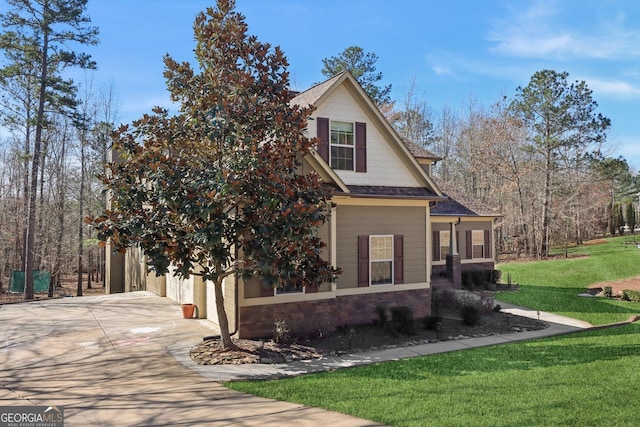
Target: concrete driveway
x,y
109,361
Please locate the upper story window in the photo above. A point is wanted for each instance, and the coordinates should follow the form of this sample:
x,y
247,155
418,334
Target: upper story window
x,y
342,146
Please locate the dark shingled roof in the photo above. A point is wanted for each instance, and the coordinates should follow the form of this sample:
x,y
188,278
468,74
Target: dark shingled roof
x,y
418,151
372,190
459,204
311,95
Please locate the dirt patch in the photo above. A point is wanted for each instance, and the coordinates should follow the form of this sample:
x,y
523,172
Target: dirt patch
x,y
595,242
617,286
353,339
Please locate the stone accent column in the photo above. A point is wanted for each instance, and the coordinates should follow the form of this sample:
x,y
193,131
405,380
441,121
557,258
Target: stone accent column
x,y
454,270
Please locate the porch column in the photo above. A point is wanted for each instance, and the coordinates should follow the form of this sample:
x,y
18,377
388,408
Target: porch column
x,y
453,265
333,255
453,245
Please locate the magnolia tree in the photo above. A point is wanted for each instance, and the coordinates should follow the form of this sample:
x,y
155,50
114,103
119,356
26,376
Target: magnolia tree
x,y
216,189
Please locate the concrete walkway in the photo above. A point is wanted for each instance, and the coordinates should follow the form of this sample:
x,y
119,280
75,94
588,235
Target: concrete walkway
x,y
122,360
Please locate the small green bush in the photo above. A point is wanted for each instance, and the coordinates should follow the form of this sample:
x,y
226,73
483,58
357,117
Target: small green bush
x,y
608,291
432,322
402,321
467,280
631,295
496,275
480,278
470,314
381,311
443,298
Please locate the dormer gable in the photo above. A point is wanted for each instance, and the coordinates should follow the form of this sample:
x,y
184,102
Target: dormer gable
x,y
355,140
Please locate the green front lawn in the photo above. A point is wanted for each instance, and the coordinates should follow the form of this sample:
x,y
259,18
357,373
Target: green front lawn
x,y
585,379
553,285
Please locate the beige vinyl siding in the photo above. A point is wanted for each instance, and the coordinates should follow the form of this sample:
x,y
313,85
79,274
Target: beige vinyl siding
x,y
462,228
135,270
252,286
228,290
354,221
384,165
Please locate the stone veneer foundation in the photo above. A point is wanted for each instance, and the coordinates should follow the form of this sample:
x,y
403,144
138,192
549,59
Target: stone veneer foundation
x,y
308,318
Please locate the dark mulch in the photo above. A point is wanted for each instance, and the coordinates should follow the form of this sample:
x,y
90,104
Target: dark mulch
x,y
351,339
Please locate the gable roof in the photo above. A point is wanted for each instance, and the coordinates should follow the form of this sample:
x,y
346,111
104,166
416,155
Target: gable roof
x,y
418,151
459,204
321,91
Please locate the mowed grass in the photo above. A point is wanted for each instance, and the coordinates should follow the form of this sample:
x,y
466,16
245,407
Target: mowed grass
x,y
584,379
553,285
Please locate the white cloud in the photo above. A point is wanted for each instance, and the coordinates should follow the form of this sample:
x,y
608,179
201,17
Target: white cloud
x,y
545,31
616,88
438,70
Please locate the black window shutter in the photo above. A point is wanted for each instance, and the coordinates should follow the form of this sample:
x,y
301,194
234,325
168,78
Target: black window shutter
x,y
398,259
469,245
487,246
323,137
361,147
363,260
436,246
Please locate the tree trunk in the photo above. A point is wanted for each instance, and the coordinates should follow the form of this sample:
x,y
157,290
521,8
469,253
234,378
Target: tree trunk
x,y
81,218
544,238
35,168
222,316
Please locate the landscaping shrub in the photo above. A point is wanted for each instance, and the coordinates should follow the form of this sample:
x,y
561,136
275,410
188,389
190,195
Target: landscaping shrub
x,y
467,280
631,295
608,291
443,298
381,311
282,332
432,322
402,321
470,314
480,278
487,302
496,275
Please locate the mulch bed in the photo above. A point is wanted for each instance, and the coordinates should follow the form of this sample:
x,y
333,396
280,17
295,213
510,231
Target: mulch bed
x,y
357,339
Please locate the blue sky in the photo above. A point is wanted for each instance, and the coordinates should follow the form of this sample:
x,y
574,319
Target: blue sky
x,y
455,50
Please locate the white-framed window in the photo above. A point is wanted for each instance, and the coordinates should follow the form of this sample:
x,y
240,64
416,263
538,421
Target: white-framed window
x,y
477,244
381,260
342,149
288,289
445,243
